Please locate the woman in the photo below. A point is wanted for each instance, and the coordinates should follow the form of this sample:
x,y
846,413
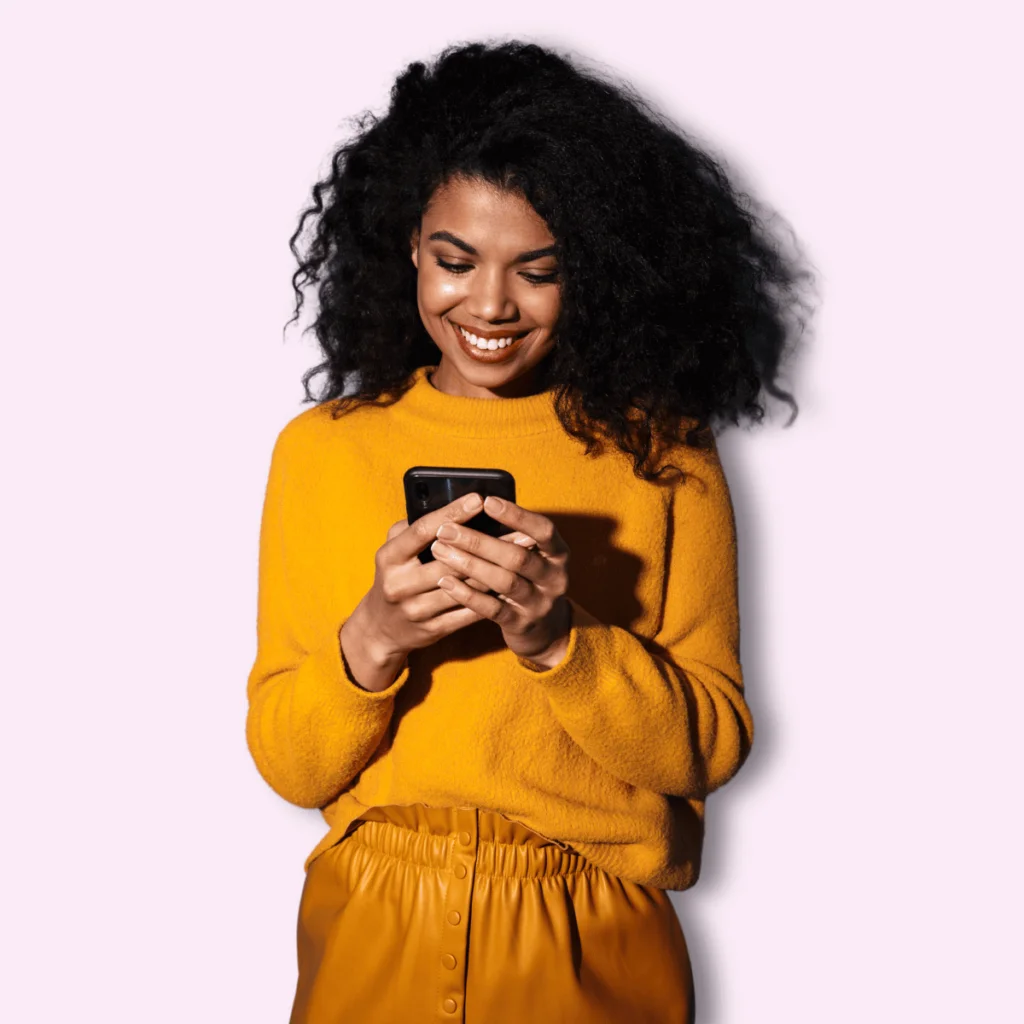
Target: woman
x,y
519,266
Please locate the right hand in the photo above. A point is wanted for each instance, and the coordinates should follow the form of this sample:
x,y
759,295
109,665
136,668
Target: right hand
x,y
405,609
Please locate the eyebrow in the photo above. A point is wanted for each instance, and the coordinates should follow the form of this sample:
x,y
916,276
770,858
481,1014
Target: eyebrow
x,y
523,257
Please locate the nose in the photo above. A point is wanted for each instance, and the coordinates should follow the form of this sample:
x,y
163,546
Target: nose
x,y
489,299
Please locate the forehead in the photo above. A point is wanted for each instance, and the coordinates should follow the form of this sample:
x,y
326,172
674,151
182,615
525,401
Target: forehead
x,y
486,216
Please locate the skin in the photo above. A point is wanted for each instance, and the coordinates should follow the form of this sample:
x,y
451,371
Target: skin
x,y
491,289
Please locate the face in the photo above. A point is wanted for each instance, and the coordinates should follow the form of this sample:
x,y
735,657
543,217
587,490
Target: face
x,y
487,288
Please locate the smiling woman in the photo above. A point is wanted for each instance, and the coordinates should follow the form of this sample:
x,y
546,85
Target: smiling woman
x,y
487,288
512,743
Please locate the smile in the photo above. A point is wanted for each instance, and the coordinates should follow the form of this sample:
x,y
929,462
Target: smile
x,y
488,344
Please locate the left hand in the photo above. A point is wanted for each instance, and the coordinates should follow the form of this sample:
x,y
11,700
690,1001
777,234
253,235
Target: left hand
x,y
526,569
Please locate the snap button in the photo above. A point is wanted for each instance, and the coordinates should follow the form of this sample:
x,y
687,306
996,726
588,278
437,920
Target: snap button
x,y
454,917
449,961
460,870
465,838
449,1006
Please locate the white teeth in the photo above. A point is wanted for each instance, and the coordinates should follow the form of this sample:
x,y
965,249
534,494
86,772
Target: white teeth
x,y
481,343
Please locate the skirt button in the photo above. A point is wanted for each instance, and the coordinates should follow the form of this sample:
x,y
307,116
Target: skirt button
x,y
454,917
465,838
460,870
449,1006
449,961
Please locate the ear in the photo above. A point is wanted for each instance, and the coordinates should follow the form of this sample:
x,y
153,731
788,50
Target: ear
x,y
415,244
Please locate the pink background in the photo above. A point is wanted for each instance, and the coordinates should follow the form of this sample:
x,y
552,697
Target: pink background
x,y
862,865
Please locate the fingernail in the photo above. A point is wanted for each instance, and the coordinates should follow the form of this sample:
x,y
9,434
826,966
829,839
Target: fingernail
x,y
494,504
472,503
447,532
439,549
446,583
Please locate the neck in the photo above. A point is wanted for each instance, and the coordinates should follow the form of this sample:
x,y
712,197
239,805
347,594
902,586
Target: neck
x,y
448,379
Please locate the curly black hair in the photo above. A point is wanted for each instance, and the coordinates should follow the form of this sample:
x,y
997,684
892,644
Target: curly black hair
x,y
678,309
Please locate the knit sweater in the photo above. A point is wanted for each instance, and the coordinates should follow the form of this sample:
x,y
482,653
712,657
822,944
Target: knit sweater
x,y
612,751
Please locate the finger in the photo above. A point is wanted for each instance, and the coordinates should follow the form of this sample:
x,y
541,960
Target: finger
x,y
406,582
521,539
502,581
535,525
425,607
411,541
514,558
484,605
445,570
396,528
449,622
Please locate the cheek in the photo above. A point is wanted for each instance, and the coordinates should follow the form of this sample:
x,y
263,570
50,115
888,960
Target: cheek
x,y
437,292
545,305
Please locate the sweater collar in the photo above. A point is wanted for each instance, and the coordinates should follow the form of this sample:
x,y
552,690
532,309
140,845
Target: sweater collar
x,y
442,413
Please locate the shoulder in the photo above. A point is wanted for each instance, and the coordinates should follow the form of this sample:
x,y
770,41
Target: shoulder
x,y
701,493
696,460
310,426
310,434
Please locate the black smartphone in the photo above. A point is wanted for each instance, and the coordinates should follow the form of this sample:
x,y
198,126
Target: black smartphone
x,y
432,487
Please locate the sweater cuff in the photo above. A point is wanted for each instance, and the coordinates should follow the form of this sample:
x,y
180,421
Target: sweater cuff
x,y
352,698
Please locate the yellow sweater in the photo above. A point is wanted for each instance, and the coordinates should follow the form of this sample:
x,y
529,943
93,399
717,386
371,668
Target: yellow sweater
x,y
613,750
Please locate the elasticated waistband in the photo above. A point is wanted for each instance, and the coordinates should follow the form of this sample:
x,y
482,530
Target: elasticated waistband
x,y
431,837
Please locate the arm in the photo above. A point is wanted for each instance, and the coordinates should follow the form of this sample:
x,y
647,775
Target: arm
x,y
310,727
667,715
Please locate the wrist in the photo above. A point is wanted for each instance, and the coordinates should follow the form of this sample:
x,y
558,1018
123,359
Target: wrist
x,y
547,659
370,664
553,654
374,647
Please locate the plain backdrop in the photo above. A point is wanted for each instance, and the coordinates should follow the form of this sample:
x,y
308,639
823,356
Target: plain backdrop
x,y
864,865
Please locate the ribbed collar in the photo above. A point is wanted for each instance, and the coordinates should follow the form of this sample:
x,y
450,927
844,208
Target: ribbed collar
x,y
442,413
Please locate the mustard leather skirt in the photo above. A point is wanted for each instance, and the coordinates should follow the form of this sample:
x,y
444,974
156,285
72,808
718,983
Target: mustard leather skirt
x,y
458,915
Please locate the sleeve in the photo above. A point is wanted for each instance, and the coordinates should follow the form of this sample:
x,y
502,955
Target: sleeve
x,y
310,728
666,714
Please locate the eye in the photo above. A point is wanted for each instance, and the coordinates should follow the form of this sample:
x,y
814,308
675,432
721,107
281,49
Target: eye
x,y
542,278
454,268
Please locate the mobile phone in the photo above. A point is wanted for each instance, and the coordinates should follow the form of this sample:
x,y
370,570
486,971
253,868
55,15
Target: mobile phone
x,y
432,487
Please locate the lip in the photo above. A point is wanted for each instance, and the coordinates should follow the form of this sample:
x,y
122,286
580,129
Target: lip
x,y
498,355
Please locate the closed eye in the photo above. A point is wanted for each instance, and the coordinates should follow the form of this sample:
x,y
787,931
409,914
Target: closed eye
x,y
455,268
462,268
